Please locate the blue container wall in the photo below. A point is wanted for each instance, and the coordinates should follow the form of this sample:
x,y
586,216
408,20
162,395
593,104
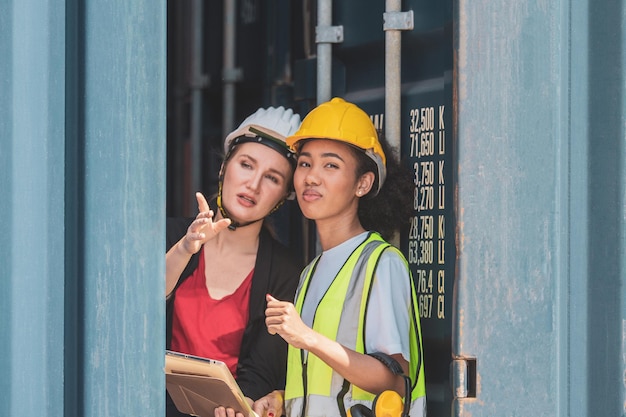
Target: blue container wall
x,y
32,206
83,185
540,298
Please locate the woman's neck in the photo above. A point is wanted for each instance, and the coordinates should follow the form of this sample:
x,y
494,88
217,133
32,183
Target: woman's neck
x,y
332,233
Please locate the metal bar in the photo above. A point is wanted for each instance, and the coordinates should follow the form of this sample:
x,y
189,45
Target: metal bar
x,y
395,22
197,85
324,52
229,74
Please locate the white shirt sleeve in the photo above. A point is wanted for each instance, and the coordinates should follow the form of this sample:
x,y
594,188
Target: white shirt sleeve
x,y
387,322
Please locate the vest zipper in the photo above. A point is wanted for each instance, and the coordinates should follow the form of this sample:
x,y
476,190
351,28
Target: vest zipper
x,y
303,358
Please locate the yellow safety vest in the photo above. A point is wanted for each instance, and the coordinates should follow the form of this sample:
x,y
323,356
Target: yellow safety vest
x,y
313,389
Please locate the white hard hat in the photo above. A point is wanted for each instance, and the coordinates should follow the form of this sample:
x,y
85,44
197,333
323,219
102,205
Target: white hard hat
x,y
274,123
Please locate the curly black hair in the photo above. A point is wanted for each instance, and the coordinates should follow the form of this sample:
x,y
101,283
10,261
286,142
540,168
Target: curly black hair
x,y
391,209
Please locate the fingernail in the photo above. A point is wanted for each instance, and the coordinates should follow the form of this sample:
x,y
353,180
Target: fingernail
x,y
270,414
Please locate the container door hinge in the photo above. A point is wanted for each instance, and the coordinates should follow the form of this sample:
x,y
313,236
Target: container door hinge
x,y
463,377
329,34
398,20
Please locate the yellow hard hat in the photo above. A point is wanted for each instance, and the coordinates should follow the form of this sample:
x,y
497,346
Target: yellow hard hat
x,y
340,120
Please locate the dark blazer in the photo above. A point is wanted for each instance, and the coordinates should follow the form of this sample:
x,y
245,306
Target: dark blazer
x,y
263,358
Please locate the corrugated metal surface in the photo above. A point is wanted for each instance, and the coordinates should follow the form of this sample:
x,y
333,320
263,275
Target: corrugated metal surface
x,y
83,186
32,160
541,214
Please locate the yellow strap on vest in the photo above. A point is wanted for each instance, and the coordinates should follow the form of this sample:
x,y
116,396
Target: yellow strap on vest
x,y
357,393
328,324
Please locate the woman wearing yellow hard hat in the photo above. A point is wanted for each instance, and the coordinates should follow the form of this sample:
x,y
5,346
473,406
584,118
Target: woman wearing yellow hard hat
x,y
353,331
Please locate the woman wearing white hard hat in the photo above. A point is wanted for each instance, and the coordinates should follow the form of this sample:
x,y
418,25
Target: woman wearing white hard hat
x,y
220,265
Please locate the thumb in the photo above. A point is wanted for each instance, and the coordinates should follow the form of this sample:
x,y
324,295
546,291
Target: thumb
x,y
263,409
220,225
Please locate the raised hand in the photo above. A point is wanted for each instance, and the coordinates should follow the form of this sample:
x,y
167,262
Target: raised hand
x,y
203,228
282,318
200,231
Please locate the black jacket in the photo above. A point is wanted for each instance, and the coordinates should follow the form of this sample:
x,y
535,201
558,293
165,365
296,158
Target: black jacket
x,y
263,358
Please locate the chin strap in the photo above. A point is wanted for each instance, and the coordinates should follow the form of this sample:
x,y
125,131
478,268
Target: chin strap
x,y
233,224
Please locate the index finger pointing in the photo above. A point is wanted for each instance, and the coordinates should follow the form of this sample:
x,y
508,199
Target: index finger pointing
x,y
203,206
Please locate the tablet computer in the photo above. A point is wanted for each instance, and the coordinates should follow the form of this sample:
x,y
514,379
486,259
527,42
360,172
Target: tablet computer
x,y
199,385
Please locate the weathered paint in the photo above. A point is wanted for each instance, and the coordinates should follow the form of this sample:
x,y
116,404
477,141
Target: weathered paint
x,y
83,184
540,278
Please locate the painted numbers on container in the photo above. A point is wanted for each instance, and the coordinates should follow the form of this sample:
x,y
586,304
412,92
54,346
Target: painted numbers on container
x,y
426,235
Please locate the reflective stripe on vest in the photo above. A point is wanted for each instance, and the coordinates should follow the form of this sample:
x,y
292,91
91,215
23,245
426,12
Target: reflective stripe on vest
x,y
309,379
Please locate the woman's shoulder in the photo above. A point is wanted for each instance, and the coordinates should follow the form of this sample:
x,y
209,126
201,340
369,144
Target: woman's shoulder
x,y
392,272
279,252
392,252
393,258
287,258
280,267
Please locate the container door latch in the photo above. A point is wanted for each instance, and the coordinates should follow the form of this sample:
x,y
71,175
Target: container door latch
x,y
463,377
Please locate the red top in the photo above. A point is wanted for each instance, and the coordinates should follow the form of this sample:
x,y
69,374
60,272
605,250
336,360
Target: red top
x,y
203,326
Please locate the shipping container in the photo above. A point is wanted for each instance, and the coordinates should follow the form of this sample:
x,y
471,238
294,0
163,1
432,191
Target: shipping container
x,y
510,116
